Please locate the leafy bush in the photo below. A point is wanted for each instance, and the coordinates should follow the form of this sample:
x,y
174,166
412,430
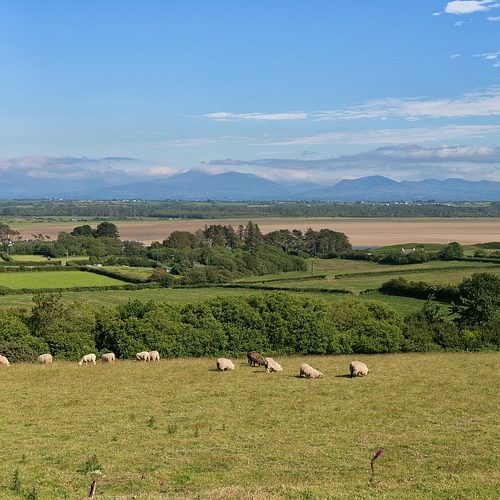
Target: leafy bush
x,y
18,352
451,251
419,290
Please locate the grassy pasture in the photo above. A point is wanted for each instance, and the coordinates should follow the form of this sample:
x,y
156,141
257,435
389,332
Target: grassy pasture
x,y
142,273
29,258
357,276
109,298
433,277
197,433
333,267
41,258
47,279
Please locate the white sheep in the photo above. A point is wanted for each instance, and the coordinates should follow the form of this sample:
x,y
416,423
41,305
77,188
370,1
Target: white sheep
x,y
154,356
142,356
45,358
273,366
224,364
108,357
309,372
358,369
88,358
4,361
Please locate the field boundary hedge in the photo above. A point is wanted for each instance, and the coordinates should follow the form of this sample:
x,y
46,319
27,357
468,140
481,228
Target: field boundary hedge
x,y
284,289
409,271
115,275
419,290
32,269
126,286
299,278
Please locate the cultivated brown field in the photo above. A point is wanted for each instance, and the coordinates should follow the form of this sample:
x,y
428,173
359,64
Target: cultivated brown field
x,y
369,232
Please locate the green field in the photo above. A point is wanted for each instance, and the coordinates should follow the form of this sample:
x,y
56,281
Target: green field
x,y
357,276
108,298
352,275
141,273
41,258
179,429
28,258
48,279
367,281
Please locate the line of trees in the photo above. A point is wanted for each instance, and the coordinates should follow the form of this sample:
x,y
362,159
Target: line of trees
x,y
215,254
274,323
214,209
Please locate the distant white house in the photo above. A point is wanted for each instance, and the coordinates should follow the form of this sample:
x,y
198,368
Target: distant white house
x,y
408,251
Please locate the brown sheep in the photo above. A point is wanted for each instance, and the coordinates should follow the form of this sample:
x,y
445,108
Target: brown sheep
x,y
256,359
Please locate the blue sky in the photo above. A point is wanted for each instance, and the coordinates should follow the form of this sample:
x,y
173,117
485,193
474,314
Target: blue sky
x,y
290,90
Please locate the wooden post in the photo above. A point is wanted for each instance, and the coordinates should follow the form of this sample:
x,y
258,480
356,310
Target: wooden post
x,y
93,487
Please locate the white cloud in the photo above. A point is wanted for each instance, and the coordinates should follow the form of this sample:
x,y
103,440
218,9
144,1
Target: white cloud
x,y
473,104
197,141
458,23
460,7
454,56
160,170
490,56
292,115
395,136
396,161
436,13
493,18
486,103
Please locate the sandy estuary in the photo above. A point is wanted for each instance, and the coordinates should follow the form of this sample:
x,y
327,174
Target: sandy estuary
x,y
361,232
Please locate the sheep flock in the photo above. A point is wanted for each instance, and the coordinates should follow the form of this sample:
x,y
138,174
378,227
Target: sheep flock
x,y
254,359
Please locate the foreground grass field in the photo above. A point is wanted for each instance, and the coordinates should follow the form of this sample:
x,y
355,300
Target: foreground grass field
x,y
179,429
49,279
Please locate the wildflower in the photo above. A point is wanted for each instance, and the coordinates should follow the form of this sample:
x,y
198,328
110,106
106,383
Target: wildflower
x,y
378,453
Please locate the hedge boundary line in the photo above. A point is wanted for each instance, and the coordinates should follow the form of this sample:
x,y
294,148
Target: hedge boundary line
x,y
409,271
300,278
284,289
33,291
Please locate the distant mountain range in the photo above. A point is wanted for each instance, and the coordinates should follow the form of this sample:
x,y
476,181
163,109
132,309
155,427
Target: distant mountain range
x,y
234,186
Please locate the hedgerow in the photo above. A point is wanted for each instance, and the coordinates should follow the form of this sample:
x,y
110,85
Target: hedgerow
x,y
274,323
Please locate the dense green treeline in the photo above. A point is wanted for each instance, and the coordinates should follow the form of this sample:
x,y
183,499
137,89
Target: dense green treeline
x,y
209,209
276,322
216,254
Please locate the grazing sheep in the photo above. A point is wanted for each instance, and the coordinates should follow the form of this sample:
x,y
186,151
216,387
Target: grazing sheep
x,y
358,369
309,372
154,356
224,364
273,366
256,359
142,356
108,357
88,358
4,361
45,358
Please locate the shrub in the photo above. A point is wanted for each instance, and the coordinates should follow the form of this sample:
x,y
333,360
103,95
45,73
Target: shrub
x,y
451,251
18,352
367,326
